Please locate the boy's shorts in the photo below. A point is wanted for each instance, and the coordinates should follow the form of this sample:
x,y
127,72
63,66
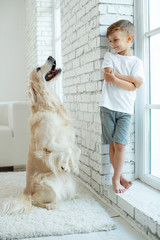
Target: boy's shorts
x,y
115,126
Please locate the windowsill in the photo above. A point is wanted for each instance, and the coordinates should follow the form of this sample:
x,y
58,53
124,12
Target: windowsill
x,y
140,205
141,202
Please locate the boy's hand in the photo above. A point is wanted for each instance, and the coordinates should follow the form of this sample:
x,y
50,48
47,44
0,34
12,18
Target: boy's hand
x,y
109,75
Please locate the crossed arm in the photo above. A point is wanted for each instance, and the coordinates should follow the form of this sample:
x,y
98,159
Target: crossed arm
x,y
129,83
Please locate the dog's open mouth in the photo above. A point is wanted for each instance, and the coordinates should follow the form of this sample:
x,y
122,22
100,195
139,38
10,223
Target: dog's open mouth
x,y
53,72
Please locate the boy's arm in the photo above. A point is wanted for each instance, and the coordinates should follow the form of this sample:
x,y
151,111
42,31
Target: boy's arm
x,y
137,81
109,76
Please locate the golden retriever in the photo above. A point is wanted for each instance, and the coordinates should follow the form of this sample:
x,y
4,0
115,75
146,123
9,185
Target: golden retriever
x,y
53,155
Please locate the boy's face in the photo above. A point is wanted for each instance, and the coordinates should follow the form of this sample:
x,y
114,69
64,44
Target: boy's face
x,y
120,41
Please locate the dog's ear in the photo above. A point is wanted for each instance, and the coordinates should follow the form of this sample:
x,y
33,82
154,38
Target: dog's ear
x,y
32,92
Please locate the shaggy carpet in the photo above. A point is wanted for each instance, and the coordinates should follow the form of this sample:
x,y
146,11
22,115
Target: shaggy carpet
x,y
80,215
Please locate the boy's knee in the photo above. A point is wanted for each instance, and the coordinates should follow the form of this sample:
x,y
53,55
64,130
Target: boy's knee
x,y
119,147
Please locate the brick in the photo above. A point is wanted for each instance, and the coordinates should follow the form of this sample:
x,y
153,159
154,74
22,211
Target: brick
x,y
106,179
85,78
95,186
88,68
91,87
90,107
83,107
81,88
105,148
125,10
96,157
141,217
107,19
109,193
90,144
146,221
96,176
81,13
85,177
117,208
112,9
89,6
94,165
128,167
102,8
130,148
106,169
88,117
126,206
152,225
86,169
105,159
158,230
129,176
103,30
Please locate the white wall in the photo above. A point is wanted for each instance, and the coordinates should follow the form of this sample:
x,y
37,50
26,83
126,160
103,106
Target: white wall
x,y
26,40
12,80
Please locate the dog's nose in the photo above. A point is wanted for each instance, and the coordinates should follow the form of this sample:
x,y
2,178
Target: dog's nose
x,y
50,58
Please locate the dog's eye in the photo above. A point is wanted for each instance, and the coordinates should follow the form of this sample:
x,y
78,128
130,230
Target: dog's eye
x,y
38,69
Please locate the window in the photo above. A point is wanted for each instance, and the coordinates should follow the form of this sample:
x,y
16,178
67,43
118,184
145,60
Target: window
x,y
148,98
57,44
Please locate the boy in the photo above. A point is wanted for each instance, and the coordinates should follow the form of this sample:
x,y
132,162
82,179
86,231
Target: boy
x,y
123,73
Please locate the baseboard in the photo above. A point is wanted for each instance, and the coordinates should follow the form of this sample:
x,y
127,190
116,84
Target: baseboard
x,y
19,168
6,169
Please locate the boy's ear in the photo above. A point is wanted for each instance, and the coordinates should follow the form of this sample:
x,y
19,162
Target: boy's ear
x,y
130,38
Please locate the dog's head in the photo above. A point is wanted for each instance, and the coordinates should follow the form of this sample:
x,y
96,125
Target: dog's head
x,y
40,79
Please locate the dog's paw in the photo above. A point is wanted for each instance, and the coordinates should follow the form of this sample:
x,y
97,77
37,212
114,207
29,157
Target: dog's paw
x,y
51,206
46,150
65,168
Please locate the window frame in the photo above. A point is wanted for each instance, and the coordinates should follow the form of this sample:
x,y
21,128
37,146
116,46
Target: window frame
x,y
142,108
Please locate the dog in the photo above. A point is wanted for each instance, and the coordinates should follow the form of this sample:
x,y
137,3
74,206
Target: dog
x,y
53,156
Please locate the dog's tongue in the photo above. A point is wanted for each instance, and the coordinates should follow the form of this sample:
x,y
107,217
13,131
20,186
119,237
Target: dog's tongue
x,y
56,69
52,71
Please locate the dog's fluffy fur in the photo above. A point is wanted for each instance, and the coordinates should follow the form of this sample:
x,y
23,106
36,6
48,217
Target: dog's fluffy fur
x,y
53,155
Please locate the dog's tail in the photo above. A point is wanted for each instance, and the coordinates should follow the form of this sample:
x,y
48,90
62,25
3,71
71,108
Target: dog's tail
x,y
16,206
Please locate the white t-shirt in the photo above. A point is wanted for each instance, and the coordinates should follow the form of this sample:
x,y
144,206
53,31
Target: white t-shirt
x,y
116,98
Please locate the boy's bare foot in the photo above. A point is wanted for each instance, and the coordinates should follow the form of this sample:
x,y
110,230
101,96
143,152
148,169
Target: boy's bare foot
x,y
118,188
125,183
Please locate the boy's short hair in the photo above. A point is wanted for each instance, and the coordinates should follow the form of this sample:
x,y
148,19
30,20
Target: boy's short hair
x,y
122,25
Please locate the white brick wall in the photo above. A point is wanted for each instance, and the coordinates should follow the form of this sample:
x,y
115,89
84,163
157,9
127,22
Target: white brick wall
x,y
81,50
84,44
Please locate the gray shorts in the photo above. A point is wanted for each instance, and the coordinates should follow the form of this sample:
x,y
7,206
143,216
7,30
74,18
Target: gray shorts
x,y
115,126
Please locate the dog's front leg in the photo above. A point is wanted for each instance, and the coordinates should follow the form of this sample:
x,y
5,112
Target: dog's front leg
x,y
74,159
55,154
64,160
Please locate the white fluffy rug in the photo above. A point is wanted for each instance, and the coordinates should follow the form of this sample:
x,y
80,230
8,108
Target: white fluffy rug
x,y
80,215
